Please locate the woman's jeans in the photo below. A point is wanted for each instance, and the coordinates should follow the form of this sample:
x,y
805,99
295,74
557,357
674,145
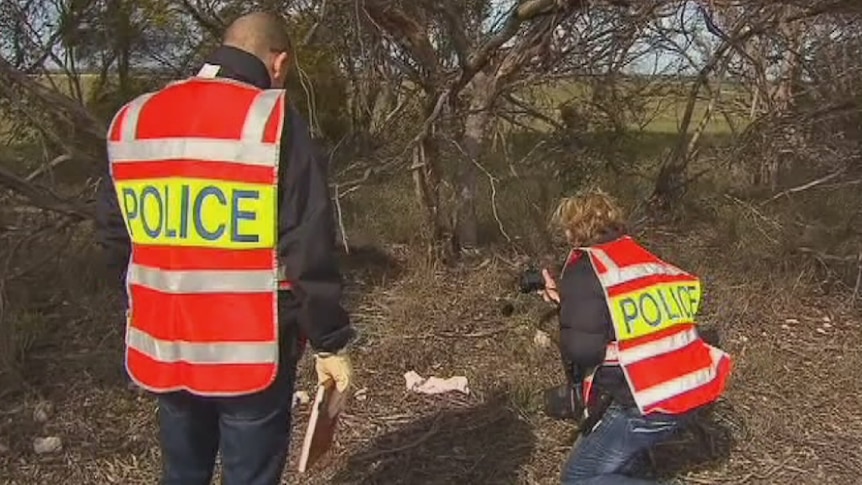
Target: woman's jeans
x,y
608,454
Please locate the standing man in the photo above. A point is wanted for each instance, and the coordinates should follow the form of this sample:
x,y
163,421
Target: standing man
x,y
219,205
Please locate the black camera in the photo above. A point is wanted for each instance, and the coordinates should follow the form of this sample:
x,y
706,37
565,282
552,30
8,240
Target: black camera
x,y
531,281
563,402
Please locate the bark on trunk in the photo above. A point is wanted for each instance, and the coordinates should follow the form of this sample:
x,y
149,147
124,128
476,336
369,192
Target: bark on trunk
x,y
466,183
426,184
671,179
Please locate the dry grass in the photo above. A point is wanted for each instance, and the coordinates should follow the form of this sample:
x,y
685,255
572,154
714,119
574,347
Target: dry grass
x,y
791,415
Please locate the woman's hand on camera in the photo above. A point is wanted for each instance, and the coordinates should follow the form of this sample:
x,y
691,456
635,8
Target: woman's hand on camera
x,y
550,293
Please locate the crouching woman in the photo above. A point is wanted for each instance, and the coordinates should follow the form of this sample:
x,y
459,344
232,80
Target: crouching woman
x,y
627,325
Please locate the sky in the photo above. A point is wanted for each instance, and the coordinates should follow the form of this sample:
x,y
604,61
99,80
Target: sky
x,y
660,60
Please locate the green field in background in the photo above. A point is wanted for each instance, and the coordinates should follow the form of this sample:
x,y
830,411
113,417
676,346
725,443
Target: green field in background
x,y
665,104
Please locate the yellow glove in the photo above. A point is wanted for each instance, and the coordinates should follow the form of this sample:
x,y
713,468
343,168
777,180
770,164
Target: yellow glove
x,y
334,367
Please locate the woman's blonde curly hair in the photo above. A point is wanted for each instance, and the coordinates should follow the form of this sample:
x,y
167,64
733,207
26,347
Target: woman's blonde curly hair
x,y
587,216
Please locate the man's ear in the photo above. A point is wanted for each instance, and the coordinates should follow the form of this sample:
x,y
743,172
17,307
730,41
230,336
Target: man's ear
x,y
281,66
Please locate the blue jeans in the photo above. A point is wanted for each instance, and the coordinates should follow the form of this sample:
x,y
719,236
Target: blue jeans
x,y
607,455
252,432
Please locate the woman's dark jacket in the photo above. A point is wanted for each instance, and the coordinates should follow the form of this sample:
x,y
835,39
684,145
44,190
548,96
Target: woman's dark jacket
x,y
585,325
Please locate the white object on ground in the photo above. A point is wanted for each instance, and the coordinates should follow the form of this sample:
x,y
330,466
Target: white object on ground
x,y
300,398
361,394
435,385
542,339
42,411
51,444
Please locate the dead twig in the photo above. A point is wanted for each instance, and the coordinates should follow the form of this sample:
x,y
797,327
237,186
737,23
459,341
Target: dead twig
x,y
48,166
429,121
493,181
759,215
44,198
340,216
803,187
858,285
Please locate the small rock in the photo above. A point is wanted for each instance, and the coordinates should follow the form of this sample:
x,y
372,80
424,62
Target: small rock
x,y
43,411
361,394
541,339
785,327
791,320
744,339
51,444
300,398
827,319
827,325
821,331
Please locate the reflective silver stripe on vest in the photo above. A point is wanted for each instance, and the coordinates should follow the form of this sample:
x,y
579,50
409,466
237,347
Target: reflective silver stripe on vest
x,y
675,387
202,281
616,275
202,353
258,115
658,347
281,274
129,129
612,354
198,149
606,260
250,150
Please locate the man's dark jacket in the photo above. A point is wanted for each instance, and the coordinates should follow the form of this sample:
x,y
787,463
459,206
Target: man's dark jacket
x,y
306,231
585,325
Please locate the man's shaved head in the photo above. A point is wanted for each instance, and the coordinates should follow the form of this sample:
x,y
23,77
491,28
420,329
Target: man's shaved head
x,y
263,35
258,33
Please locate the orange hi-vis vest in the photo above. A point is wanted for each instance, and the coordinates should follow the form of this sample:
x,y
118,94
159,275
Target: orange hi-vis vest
x,y
653,304
195,168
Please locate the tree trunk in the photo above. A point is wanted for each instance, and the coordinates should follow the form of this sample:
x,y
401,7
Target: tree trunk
x,y
671,179
426,183
426,178
466,183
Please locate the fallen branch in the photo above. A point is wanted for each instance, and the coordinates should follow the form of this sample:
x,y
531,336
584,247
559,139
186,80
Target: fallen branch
x,y
44,198
341,221
803,187
48,166
858,285
40,262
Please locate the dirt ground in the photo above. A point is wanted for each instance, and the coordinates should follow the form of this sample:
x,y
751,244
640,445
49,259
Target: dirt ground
x,y
790,416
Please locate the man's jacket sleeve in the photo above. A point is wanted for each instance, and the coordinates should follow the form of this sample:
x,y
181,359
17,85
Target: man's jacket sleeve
x,y
307,239
585,323
110,229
